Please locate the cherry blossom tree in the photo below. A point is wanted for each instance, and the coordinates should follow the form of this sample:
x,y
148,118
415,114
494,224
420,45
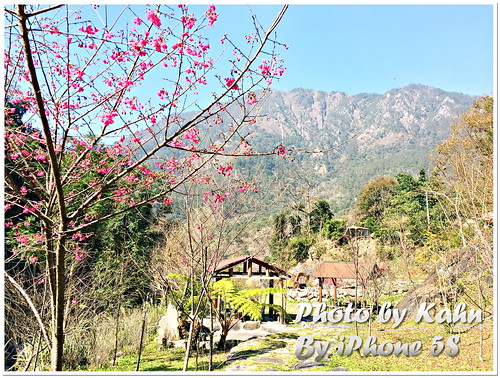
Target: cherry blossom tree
x,y
113,118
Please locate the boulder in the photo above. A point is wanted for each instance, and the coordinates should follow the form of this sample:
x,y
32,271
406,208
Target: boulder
x,y
440,284
237,326
168,326
273,327
180,344
302,293
251,325
207,323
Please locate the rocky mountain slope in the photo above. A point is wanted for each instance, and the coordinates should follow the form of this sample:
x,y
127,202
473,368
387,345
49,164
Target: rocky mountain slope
x,y
367,135
364,136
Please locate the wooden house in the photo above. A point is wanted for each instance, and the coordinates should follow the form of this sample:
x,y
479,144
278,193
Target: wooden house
x,y
332,272
246,267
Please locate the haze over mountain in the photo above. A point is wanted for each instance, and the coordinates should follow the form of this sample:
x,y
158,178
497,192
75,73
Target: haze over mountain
x,y
375,134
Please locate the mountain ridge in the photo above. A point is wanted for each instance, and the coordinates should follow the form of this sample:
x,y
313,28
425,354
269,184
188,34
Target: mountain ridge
x,y
366,136
370,134
407,86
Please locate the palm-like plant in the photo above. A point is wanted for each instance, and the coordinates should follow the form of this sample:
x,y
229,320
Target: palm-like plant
x,y
240,303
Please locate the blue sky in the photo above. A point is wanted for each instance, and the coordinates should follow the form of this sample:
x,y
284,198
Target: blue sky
x,y
374,48
370,48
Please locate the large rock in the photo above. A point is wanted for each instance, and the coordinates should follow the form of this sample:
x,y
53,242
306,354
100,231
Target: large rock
x,y
273,327
251,325
302,293
440,285
236,326
207,322
168,327
180,344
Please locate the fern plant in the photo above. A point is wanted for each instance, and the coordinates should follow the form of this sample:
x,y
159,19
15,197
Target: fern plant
x,y
240,303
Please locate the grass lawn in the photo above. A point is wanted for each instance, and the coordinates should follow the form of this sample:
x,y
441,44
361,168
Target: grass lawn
x,y
156,358
467,359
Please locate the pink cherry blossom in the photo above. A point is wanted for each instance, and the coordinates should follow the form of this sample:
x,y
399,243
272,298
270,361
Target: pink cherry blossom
x,y
230,82
212,16
188,21
265,69
153,18
243,188
108,118
192,134
89,30
281,150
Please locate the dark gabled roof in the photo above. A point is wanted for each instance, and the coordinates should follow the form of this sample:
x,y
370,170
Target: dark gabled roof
x,y
229,263
347,270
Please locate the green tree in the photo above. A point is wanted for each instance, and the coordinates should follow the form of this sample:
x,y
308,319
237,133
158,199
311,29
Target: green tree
x,y
298,248
287,227
465,160
334,229
319,215
375,197
123,246
280,223
466,163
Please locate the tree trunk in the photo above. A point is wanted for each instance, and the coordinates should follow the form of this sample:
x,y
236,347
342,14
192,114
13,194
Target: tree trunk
x,y
211,351
118,310
188,345
143,328
58,322
225,327
58,281
222,342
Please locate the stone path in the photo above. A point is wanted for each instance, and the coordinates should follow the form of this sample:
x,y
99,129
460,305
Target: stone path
x,y
272,360
266,352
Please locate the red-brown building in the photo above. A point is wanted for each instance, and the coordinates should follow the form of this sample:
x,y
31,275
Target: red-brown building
x,y
332,272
